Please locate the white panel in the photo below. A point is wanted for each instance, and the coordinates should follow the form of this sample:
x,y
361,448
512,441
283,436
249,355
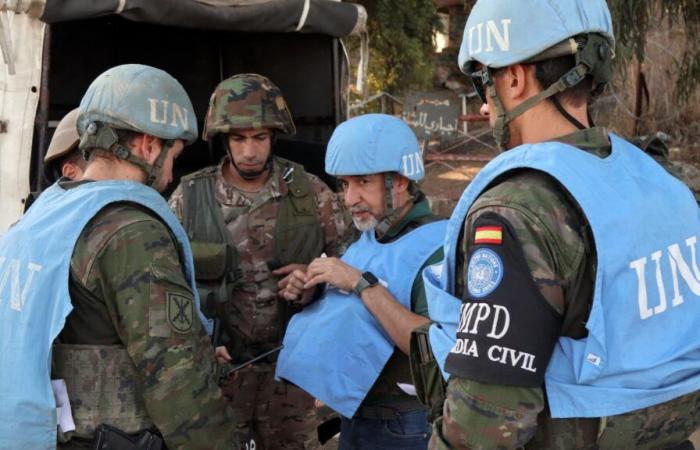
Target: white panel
x,y
18,105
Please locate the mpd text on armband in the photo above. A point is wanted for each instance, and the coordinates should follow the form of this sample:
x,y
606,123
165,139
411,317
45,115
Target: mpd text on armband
x,y
492,323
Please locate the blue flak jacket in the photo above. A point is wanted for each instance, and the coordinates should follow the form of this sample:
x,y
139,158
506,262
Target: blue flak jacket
x,y
335,349
35,259
643,345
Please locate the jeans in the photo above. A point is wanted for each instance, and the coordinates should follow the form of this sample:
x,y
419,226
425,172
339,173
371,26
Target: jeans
x,y
408,431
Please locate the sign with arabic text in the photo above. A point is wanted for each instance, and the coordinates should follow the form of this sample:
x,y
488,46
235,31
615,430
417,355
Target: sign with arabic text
x,y
435,115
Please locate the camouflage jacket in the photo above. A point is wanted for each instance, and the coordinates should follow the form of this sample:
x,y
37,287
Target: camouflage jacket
x,y
250,219
124,268
559,252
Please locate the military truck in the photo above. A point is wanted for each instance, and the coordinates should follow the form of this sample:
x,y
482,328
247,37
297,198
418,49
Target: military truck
x,y
53,49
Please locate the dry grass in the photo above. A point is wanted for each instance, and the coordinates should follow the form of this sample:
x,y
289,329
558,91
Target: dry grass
x,y
680,119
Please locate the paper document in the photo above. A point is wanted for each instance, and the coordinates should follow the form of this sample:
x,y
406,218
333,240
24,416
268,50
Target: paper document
x,y
407,388
63,411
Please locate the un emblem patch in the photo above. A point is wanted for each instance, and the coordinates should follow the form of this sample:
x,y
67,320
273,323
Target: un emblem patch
x,y
180,312
485,272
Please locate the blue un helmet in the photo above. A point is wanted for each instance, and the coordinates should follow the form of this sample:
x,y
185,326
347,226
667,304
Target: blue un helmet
x,y
138,98
502,33
376,143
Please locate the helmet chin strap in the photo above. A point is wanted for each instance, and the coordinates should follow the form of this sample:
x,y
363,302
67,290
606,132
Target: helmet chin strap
x,y
391,212
503,118
154,174
105,137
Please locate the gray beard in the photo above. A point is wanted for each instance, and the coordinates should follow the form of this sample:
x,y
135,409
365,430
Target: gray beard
x,y
365,225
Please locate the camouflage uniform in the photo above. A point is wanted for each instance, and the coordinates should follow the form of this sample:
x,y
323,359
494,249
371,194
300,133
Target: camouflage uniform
x,y
124,270
559,251
283,416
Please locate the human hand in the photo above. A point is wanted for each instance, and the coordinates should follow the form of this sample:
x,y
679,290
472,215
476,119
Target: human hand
x,y
222,354
286,273
332,271
291,287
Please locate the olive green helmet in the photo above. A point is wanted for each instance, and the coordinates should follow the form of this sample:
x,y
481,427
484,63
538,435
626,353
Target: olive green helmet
x,y
247,101
65,139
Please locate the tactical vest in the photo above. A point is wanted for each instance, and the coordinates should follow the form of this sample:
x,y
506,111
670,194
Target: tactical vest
x,y
103,386
34,303
642,346
298,239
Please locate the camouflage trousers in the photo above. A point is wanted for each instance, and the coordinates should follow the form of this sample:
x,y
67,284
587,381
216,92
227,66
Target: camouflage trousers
x,y
273,414
467,424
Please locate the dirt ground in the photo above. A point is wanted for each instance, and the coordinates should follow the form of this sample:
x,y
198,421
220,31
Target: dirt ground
x,y
445,180
444,184
448,172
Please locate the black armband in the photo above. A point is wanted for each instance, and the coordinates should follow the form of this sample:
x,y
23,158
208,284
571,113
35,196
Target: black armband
x,y
507,330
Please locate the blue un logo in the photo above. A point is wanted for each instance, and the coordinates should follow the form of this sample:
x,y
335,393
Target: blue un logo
x,y
485,272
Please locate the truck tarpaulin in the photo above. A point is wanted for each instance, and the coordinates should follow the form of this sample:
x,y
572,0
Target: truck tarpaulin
x,y
329,17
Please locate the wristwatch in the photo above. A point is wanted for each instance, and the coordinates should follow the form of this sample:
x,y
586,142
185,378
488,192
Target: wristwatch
x,y
367,280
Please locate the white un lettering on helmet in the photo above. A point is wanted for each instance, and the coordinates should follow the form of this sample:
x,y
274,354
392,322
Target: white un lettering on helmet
x,y
483,35
165,112
412,164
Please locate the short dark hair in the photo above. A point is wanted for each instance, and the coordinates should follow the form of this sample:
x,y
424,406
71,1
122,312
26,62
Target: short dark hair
x,y
96,153
126,136
549,71
74,157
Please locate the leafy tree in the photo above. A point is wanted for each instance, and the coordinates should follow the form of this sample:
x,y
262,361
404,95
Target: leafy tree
x,y
401,43
401,39
632,20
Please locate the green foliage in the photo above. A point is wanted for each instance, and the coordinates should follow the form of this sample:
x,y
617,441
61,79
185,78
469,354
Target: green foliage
x,y
401,43
401,34
632,20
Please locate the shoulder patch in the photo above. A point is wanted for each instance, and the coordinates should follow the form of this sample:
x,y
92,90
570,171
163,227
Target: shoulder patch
x,y
485,272
180,312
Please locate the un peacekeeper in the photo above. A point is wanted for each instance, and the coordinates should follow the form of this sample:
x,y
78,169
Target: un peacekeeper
x,y
63,157
350,348
570,255
102,269
252,220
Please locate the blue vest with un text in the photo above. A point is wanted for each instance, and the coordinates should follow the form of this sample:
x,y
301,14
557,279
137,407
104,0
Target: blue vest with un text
x,y
335,349
643,344
35,259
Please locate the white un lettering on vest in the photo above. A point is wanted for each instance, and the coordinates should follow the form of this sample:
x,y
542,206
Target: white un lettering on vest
x,y
650,280
16,278
507,330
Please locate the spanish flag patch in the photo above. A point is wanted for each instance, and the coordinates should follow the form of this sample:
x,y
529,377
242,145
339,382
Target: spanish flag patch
x,y
488,235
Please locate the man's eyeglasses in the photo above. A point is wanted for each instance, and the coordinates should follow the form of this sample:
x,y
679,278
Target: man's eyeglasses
x,y
481,79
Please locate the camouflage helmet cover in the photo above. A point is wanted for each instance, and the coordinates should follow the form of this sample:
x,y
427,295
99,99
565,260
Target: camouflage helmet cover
x,y
247,101
65,139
